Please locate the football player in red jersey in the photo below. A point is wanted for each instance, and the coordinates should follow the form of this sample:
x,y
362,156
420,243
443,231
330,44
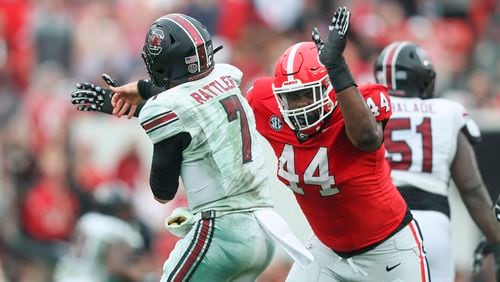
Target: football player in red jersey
x,y
428,141
327,134
328,137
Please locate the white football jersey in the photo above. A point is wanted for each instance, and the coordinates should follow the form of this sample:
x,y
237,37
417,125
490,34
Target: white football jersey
x,y
421,141
85,259
223,166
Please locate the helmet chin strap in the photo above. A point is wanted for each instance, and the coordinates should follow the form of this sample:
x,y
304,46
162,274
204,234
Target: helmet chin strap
x,y
304,135
428,91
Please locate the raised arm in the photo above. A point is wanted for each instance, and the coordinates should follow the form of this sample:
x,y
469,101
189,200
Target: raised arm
x,y
361,127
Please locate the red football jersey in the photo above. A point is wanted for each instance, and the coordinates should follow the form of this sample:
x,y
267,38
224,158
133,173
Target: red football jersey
x,y
346,194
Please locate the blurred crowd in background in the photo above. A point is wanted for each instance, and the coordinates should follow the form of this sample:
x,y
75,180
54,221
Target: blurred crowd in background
x,y
48,170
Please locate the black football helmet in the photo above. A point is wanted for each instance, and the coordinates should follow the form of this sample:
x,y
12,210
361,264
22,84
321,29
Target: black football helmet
x,y
178,48
406,70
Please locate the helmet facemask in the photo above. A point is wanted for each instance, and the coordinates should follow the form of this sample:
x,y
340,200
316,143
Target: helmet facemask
x,y
304,106
158,77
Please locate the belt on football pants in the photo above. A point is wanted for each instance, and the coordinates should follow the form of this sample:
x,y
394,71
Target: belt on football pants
x,y
209,214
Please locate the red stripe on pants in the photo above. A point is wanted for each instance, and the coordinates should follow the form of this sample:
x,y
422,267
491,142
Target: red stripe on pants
x,y
420,251
200,243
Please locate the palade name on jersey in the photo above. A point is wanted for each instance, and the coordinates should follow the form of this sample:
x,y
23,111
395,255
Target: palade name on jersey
x,y
213,89
417,107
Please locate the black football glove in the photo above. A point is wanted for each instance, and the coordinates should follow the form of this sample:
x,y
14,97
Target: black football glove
x,y
90,97
483,249
331,50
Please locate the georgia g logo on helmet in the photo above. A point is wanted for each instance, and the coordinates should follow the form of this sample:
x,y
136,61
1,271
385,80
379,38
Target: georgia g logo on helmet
x,y
155,38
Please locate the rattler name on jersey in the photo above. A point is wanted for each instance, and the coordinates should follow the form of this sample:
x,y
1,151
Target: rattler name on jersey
x,y
223,166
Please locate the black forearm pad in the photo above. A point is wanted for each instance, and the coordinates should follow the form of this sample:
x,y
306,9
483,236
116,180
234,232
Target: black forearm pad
x,y
340,75
107,108
147,89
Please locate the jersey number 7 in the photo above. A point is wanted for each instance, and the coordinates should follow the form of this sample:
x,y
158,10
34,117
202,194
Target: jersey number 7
x,y
232,106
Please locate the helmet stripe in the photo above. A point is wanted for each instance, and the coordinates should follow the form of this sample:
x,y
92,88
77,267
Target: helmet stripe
x,y
387,65
393,63
195,36
291,59
189,27
202,47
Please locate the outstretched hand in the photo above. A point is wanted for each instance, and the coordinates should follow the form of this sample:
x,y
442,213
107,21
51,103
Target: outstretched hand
x,y
126,99
118,100
331,50
90,97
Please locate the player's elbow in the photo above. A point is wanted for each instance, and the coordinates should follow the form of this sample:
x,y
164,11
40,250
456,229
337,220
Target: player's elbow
x,y
163,191
161,201
471,189
367,140
163,194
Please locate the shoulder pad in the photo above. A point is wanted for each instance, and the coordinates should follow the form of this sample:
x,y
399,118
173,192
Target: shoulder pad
x,y
471,130
366,89
469,127
378,100
261,89
233,71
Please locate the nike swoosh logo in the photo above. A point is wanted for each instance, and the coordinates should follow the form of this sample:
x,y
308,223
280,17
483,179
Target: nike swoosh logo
x,y
389,268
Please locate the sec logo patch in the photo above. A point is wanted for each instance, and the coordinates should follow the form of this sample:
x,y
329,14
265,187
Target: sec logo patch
x,y
275,123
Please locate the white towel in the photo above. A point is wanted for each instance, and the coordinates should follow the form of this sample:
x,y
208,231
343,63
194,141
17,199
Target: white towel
x,y
280,232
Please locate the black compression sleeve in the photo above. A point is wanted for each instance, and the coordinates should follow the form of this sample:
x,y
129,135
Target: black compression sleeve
x,y
166,165
147,89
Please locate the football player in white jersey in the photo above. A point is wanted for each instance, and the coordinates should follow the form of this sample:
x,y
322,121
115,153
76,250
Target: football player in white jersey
x,y
105,245
203,130
428,140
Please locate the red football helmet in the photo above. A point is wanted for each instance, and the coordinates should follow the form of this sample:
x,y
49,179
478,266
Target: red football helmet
x,y
300,75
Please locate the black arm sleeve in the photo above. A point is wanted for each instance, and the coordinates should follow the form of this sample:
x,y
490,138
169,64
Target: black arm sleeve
x,y
107,108
147,89
166,165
